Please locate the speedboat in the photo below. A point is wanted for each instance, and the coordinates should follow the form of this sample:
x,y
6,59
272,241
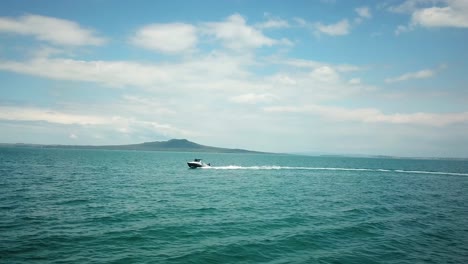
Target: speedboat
x,y
197,163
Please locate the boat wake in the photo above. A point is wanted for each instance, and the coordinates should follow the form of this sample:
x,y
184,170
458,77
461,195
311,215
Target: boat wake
x,y
234,167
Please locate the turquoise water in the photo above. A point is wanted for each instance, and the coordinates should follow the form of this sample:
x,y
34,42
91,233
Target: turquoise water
x,y
95,206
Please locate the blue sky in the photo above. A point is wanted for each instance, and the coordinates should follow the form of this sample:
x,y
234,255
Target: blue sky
x,y
329,76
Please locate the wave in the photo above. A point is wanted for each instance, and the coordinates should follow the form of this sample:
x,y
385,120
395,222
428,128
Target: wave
x,y
235,167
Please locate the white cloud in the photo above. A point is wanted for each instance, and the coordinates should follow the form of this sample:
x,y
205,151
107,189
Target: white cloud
x,y
372,115
325,74
300,22
355,81
252,98
116,74
453,15
338,29
363,12
217,75
301,63
133,125
73,136
433,13
214,71
283,79
402,29
273,23
423,74
119,123
409,6
49,29
307,80
236,34
166,38
37,114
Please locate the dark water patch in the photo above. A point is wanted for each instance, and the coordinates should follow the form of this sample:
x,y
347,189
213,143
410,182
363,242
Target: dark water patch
x,y
72,202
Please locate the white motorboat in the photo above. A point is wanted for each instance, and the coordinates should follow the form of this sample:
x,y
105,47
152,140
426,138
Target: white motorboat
x,y
197,163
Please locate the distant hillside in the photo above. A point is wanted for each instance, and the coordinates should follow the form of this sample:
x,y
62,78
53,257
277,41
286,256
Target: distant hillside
x,y
182,145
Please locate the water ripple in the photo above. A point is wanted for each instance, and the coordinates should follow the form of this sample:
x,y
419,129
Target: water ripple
x,y
61,206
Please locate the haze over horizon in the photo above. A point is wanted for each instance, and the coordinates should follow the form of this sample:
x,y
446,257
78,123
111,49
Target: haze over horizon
x,y
328,76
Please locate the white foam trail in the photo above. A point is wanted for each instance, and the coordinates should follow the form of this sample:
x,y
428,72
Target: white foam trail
x,y
235,167
433,172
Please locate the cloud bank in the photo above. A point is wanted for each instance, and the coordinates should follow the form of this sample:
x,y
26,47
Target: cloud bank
x,y
166,38
53,30
239,77
372,115
433,14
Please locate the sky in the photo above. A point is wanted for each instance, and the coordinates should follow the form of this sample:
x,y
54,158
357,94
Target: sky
x,y
326,76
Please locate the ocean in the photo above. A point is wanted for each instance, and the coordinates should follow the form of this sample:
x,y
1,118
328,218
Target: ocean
x,y
98,206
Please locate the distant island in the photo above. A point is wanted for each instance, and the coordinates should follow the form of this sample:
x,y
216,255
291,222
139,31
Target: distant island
x,y
182,145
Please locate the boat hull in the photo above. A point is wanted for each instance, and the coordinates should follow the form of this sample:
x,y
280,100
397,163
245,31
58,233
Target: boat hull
x,y
194,165
197,163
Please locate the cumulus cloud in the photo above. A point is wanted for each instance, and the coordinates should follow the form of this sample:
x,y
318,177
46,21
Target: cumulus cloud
x,y
236,34
113,73
325,74
433,13
301,63
166,38
372,115
121,124
314,80
52,30
224,73
422,74
341,28
409,6
338,29
453,15
363,12
37,114
204,71
273,23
